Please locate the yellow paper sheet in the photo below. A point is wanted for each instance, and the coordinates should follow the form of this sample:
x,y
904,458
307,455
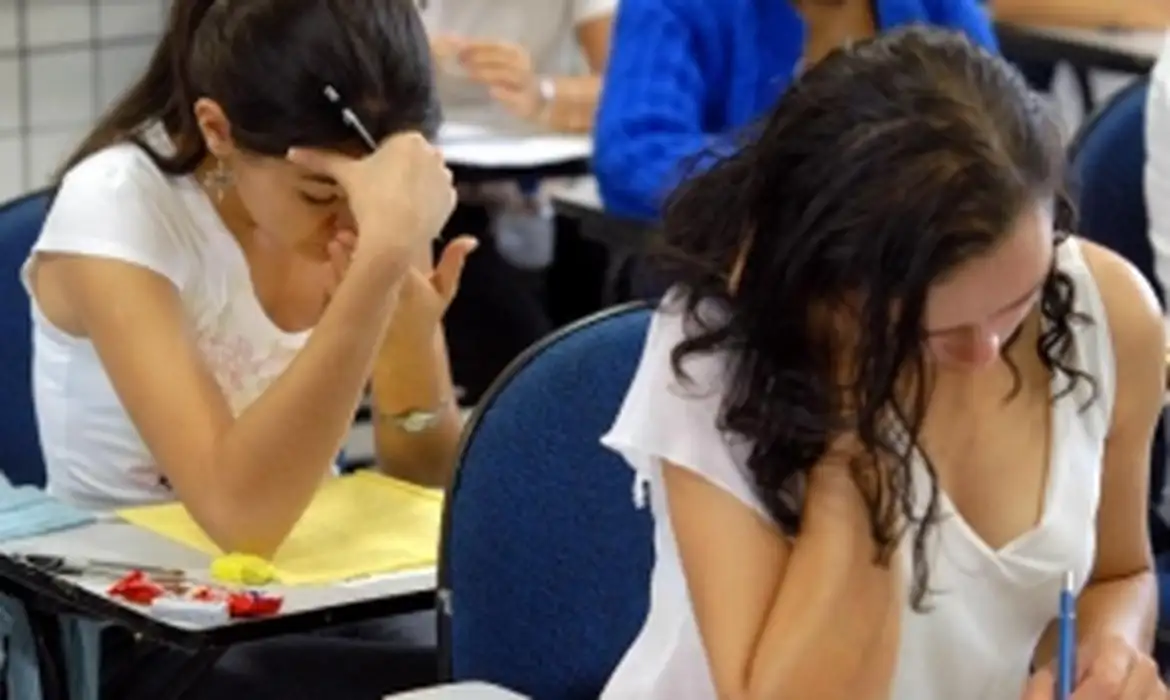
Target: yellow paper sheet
x,y
357,525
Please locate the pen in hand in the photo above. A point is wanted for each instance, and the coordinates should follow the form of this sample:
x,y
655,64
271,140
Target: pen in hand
x,y
350,118
1066,661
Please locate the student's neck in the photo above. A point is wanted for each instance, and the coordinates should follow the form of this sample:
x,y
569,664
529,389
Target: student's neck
x,y
238,222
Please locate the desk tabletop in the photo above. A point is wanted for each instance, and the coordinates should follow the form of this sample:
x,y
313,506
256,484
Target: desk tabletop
x,y
580,199
1139,43
1115,49
484,138
580,193
114,540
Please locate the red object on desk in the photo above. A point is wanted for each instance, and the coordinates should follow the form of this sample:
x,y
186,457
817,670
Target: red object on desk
x,y
253,604
242,604
136,587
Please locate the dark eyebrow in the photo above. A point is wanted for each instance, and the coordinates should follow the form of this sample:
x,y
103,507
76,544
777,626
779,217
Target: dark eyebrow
x,y
1011,305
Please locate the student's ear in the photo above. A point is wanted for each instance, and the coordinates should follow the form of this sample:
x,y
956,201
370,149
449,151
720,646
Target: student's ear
x,y
215,128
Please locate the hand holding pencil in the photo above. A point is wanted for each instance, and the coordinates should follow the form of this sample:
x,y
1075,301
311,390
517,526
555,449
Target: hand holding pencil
x,y
1119,674
1104,668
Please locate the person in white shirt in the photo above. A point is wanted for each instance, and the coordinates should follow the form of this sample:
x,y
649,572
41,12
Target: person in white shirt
x,y
888,406
1156,182
1157,167
517,66
521,58
227,262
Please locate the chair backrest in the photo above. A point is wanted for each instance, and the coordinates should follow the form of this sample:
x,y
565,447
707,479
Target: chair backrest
x,y
1107,175
1107,183
545,561
20,449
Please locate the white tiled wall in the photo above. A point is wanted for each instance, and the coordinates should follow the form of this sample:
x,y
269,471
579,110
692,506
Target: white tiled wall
x,y
61,64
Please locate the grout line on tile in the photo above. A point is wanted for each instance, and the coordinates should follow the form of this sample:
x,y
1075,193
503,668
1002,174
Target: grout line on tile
x,y
23,53
24,94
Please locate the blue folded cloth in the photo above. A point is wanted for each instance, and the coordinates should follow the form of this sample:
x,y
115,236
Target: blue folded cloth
x,y
26,511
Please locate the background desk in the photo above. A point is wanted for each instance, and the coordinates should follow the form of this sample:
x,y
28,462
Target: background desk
x,y
625,239
1125,51
305,609
486,149
580,199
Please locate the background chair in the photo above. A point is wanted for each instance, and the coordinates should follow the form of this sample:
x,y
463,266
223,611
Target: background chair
x,y
545,561
20,224
20,455
1107,165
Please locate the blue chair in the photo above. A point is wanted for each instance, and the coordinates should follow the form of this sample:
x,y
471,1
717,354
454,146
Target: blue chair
x,y
20,451
1107,170
20,224
545,562
1107,165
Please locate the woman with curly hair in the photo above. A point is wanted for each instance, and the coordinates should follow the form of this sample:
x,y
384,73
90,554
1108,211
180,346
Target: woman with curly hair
x,y
888,404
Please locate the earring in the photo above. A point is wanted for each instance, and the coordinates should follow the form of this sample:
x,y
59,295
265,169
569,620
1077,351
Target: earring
x,y
219,180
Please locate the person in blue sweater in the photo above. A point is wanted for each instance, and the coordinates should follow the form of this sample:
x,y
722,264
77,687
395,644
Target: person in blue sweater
x,y
683,74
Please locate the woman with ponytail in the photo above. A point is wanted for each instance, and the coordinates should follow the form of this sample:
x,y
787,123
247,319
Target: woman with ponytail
x,y
228,263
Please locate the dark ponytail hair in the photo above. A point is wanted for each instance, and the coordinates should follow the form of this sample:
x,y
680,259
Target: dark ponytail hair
x,y
266,62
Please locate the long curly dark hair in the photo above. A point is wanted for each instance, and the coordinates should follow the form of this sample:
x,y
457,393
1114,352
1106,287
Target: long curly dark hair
x,y
878,172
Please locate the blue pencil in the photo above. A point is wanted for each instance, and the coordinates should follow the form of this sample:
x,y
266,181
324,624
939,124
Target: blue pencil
x,y
1066,659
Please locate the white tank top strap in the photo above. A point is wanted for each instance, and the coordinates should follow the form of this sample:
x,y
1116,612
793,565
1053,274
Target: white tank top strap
x,y
1092,337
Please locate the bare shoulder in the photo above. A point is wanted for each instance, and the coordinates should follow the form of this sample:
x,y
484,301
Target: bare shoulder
x,y
1135,323
1135,317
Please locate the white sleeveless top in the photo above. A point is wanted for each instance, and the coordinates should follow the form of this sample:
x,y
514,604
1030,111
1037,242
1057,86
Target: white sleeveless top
x,y
977,641
117,204
1156,180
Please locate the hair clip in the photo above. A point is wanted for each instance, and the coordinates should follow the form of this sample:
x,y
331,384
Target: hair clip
x,y
351,119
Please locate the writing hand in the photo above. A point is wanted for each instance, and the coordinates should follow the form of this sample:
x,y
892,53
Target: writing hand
x,y
506,70
1108,668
